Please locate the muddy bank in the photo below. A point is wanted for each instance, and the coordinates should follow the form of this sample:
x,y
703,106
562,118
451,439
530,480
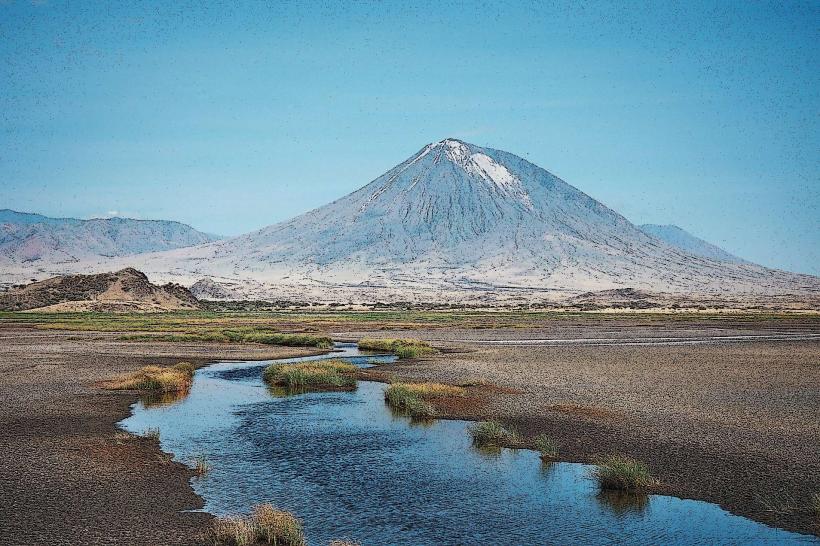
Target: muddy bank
x,y
67,476
732,424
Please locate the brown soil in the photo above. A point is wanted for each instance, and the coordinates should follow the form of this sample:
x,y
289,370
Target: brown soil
x,y
67,475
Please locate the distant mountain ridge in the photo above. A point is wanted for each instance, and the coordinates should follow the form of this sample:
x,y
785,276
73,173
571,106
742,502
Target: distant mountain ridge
x,y
460,223
682,239
27,238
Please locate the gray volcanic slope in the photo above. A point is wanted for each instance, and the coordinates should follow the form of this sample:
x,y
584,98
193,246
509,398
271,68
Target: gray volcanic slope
x,y
38,240
680,238
455,221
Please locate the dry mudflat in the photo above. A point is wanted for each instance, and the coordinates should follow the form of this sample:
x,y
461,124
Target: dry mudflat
x,y
735,422
726,413
67,475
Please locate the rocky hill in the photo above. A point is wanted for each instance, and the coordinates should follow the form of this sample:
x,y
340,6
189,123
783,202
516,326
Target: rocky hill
x,y
125,290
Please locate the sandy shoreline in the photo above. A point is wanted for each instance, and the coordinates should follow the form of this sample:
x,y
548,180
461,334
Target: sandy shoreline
x,y
732,424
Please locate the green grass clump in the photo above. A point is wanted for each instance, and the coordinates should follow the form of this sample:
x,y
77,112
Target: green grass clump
x,y
156,379
403,348
265,525
546,446
237,336
492,434
410,403
622,473
318,375
815,504
411,399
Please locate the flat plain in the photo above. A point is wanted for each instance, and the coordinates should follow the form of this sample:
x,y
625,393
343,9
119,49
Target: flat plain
x,y
723,408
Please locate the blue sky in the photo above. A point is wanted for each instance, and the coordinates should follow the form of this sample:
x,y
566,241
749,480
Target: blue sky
x,y
234,116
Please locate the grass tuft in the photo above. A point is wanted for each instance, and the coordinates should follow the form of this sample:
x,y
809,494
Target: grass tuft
x,y
546,446
158,379
411,399
815,505
201,465
318,375
622,473
152,433
265,525
403,348
492,434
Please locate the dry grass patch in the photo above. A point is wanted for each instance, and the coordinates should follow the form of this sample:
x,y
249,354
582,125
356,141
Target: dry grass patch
x,y
402,348
177,378
265,525
622,473
318,375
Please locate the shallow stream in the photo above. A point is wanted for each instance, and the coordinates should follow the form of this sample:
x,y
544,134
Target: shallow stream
x,y
349,468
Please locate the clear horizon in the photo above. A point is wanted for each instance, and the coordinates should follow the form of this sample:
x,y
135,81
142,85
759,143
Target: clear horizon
x,y
232,118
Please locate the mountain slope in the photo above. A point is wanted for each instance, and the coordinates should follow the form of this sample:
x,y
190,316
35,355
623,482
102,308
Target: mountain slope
x,y
40,240
456,222
687,242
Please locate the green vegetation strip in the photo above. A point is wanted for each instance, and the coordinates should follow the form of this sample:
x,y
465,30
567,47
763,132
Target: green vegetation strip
x,y
239,336
272,320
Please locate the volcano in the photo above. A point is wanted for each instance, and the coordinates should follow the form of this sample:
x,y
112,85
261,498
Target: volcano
x,y
458,222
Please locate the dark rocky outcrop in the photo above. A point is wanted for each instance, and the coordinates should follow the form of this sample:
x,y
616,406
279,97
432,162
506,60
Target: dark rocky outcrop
x,y
127,290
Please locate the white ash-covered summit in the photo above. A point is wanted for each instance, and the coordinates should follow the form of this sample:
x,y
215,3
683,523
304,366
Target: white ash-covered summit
x,y
460,221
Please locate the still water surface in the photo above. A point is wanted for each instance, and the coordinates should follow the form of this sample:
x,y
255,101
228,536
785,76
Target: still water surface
x,y
351,469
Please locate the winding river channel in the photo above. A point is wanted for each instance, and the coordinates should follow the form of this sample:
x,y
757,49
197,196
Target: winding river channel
x,y
350,468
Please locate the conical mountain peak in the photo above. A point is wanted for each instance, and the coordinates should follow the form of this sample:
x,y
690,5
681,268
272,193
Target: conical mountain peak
x,y
465,221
